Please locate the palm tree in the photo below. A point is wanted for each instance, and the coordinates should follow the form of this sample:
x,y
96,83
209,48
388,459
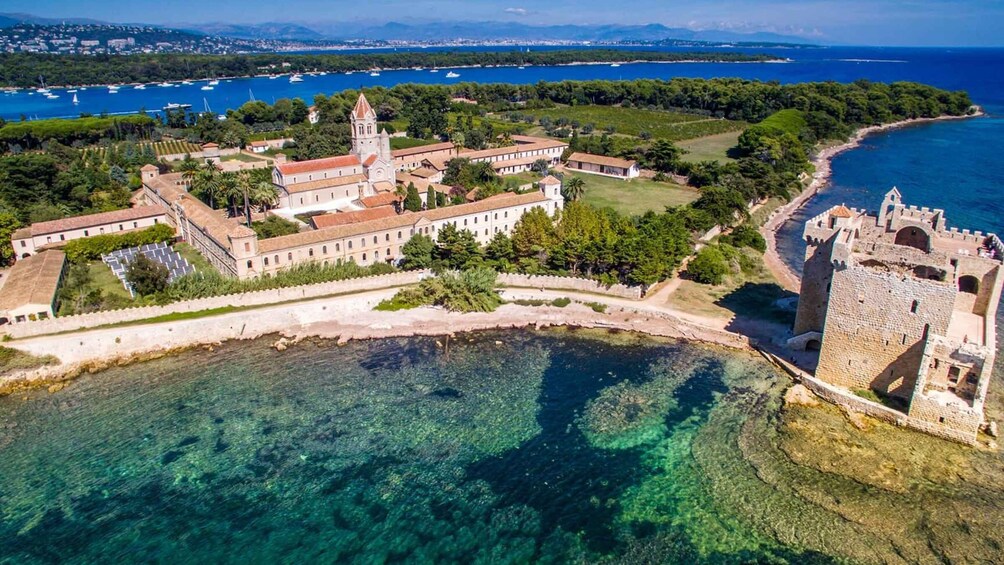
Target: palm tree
x,y
260,191
574,188
204,182
231,191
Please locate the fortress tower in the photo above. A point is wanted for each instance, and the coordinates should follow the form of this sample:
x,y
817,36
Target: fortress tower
x,y
898,304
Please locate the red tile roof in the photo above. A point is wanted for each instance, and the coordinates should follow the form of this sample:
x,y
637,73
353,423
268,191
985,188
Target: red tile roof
x,y
841,212
332,182
344,218
363,107
294,167
600,160
383,199
418,150
82,222
370,160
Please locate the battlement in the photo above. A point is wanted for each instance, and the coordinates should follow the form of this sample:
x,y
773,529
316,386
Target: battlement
x,y
904,306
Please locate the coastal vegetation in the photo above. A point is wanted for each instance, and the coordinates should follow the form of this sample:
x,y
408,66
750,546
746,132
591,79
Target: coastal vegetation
x,y
17,360
470,290
23,69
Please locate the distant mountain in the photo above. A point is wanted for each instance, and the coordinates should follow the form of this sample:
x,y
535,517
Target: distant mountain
x,y
11,19
441,31
446,31
271,30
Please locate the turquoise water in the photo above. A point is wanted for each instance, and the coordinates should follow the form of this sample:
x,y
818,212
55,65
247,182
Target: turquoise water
x,y
504,447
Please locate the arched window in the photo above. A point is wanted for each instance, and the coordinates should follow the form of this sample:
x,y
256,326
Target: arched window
x,y
969,284
250,264
310,252
369,128
289,256
364,256
324,251
276,259
360,129
265,261
913,307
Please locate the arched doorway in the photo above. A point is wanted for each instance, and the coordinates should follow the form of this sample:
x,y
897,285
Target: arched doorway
x,y
969,284
913,237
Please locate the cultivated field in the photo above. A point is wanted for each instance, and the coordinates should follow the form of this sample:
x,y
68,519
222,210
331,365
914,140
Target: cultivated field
x,y
673,126
173,147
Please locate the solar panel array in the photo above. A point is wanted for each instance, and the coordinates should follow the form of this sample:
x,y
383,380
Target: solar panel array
x,y
177,265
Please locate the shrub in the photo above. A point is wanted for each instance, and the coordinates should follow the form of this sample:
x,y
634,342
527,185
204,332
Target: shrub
x,y
274,226
212,283
709,266
92,248
561,302
746,236
472,290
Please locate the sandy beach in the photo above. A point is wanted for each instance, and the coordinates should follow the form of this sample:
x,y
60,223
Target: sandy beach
x,y
786,277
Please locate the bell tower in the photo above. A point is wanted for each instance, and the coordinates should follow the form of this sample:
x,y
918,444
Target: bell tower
x,y
365,137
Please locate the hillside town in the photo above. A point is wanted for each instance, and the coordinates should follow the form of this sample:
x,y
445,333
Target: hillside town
x,y
95,39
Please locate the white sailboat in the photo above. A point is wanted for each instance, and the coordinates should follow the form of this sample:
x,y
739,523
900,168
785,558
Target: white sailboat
x,y
375,73
75,101
206,87
213,82
295,78
452,74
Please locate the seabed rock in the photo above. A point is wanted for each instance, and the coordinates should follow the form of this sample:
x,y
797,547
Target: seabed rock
x,y
281,345
800,395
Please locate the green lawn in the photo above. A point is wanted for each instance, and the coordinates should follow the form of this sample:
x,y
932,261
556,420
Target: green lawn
x,y
409,142
194,257
673,126
243,157
105,280
710,147
635,196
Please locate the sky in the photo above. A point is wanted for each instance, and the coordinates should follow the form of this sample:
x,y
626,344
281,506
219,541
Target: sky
x,y
860,22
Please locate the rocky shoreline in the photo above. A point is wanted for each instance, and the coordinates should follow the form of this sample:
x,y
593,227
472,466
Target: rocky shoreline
x,y
345,318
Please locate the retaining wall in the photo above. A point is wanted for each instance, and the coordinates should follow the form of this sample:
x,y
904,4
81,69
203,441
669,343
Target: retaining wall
x,y
261,297
570,283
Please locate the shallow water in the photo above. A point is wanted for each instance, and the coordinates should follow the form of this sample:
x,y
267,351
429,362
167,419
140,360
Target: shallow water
x,y
507,447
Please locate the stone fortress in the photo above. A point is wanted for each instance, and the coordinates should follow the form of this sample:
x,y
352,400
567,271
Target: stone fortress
x,y
898,304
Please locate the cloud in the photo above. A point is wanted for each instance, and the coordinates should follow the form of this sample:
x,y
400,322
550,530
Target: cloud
x,y
516,11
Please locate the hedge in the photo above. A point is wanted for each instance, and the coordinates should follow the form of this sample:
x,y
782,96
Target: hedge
x,y
92,248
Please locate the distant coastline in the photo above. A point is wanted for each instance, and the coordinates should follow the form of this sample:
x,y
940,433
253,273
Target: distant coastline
x,y
822,162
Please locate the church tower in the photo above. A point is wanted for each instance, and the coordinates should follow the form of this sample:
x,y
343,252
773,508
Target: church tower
x,y
371,146
365,137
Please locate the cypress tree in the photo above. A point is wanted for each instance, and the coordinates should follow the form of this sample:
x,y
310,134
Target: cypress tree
x,y
412,201
430,198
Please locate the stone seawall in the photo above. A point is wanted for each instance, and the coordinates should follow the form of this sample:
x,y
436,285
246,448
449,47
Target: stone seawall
x,y
570,283
258,298
846,399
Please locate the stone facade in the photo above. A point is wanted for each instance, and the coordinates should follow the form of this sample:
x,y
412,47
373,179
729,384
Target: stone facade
x,y
898,303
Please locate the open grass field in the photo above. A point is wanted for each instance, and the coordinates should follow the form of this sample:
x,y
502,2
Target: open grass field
x,y
710,147
194,257
105,280
409,142
242,157
673,126
635,196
